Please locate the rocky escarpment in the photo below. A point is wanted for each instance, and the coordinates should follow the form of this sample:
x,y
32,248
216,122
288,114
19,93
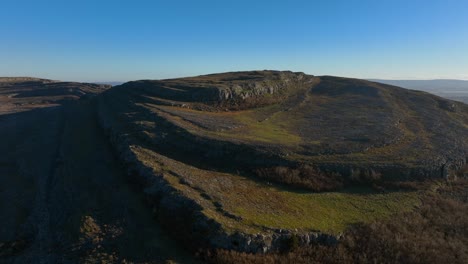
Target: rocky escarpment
x,y
240,90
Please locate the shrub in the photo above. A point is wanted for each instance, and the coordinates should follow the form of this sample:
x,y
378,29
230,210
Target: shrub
x,y
303,176
291,243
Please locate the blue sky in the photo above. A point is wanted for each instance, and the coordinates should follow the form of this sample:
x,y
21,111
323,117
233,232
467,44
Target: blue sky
x,y
116,40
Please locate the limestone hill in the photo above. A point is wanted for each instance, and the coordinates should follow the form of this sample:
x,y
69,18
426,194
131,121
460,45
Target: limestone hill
x,y
261,119
235,160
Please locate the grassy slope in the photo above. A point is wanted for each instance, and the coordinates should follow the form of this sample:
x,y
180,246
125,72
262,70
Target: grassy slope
x,y
433,233
264,206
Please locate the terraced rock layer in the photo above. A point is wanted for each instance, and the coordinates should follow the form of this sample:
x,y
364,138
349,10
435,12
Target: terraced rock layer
x,y
335,123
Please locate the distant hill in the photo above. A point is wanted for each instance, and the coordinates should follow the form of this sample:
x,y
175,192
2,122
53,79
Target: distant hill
x,y
429,85
19,94
451,89
110,83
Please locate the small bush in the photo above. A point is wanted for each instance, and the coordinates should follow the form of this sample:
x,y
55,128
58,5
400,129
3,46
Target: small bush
x,y
291,243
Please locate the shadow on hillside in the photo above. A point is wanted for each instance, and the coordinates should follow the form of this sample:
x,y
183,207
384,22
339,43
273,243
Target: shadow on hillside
x,y
70,196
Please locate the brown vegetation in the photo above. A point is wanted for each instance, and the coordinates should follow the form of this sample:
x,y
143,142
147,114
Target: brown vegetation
x,y
303,176
367,176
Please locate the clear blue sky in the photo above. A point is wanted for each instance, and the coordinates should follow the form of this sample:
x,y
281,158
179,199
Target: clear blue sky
x,y
125,40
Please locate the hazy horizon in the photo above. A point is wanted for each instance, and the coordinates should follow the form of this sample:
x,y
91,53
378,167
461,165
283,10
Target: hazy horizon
x,y
123,81
109,42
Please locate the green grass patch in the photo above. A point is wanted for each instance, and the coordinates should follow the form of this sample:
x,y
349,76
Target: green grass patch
x,y
261,205
328,212
267,131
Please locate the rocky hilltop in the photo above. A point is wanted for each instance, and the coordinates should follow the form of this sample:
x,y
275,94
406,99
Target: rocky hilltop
x,y
236,160
288,118
240,90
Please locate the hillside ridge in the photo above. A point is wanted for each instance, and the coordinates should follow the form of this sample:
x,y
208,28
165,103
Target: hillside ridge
x,y
314,117
239,171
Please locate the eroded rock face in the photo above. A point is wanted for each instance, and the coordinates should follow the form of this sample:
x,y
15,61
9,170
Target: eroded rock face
x,y
276,84
241,90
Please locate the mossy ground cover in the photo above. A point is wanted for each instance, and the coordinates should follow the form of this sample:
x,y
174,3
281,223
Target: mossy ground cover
x,y
327,212
267,131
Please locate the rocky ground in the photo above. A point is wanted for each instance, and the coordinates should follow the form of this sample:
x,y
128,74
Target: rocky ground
x,y
287,118
64,195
